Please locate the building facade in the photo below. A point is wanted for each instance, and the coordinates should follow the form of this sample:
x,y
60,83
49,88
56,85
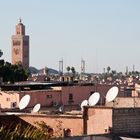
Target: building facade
x,y
50,96
94,121
20,46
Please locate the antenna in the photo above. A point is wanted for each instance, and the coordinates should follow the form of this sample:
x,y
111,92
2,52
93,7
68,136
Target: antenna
x,y
94,98
84,103
36,108
133,67
24,102
112,94
61,66
82,66
126,70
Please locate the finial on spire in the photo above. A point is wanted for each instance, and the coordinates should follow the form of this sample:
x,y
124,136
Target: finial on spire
x,y
20,20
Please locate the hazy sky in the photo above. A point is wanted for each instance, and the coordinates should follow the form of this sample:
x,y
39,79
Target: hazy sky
x,y
102,32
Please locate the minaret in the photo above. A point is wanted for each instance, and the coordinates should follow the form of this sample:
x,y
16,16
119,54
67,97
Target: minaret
x,y
82,66
20,46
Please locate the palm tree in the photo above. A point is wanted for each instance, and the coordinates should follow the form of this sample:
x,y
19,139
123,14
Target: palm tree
x,y
68,68
1,53
108,69
73,70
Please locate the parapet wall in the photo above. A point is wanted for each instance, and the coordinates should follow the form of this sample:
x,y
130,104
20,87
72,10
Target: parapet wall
x,y
126,120
97,120
125,102
58,123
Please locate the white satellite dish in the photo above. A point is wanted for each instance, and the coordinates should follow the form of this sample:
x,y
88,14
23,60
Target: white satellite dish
x,y
94,98
36,108
84,103
61,108
112,94
24,102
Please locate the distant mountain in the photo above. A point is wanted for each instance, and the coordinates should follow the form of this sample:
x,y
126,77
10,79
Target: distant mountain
x,y
52,71
34,70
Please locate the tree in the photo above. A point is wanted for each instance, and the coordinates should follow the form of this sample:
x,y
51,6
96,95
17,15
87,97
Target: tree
x,y
2,62
68,68
21,132
1,53
12,73
108,69
73,70
114,72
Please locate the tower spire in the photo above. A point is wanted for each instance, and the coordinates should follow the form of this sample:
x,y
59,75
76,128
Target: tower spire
x,y
20,20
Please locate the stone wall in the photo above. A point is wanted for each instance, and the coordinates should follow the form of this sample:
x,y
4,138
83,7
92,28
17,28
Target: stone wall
x,y
126,120
125,102
103,120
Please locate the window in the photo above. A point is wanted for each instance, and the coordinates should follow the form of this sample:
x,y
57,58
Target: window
x,y
7,99
13,104
49,96
70,96
70,100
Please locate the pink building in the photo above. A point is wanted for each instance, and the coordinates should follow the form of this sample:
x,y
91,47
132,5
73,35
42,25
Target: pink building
x,y
50,95
92,121
96,120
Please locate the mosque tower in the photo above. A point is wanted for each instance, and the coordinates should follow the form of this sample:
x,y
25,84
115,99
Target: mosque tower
x,y
20,46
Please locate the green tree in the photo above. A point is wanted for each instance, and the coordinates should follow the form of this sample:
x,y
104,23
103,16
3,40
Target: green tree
x,y
108,69
1,53
114,72
12,73
73,70
68,68
20,132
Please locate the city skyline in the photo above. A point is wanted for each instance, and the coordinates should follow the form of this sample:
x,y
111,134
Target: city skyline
x,y
103,33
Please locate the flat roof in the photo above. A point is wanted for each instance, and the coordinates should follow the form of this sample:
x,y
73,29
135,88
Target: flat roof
x,y
24,86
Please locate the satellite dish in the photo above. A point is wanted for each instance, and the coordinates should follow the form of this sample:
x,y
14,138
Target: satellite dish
x,y
61,109
94,98
112,94
84,103
36,108
24,102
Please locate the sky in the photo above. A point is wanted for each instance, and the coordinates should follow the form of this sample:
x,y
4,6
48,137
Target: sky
x,y
101,32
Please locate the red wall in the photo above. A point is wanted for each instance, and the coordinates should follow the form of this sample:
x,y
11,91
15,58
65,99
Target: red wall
x,y
81,93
